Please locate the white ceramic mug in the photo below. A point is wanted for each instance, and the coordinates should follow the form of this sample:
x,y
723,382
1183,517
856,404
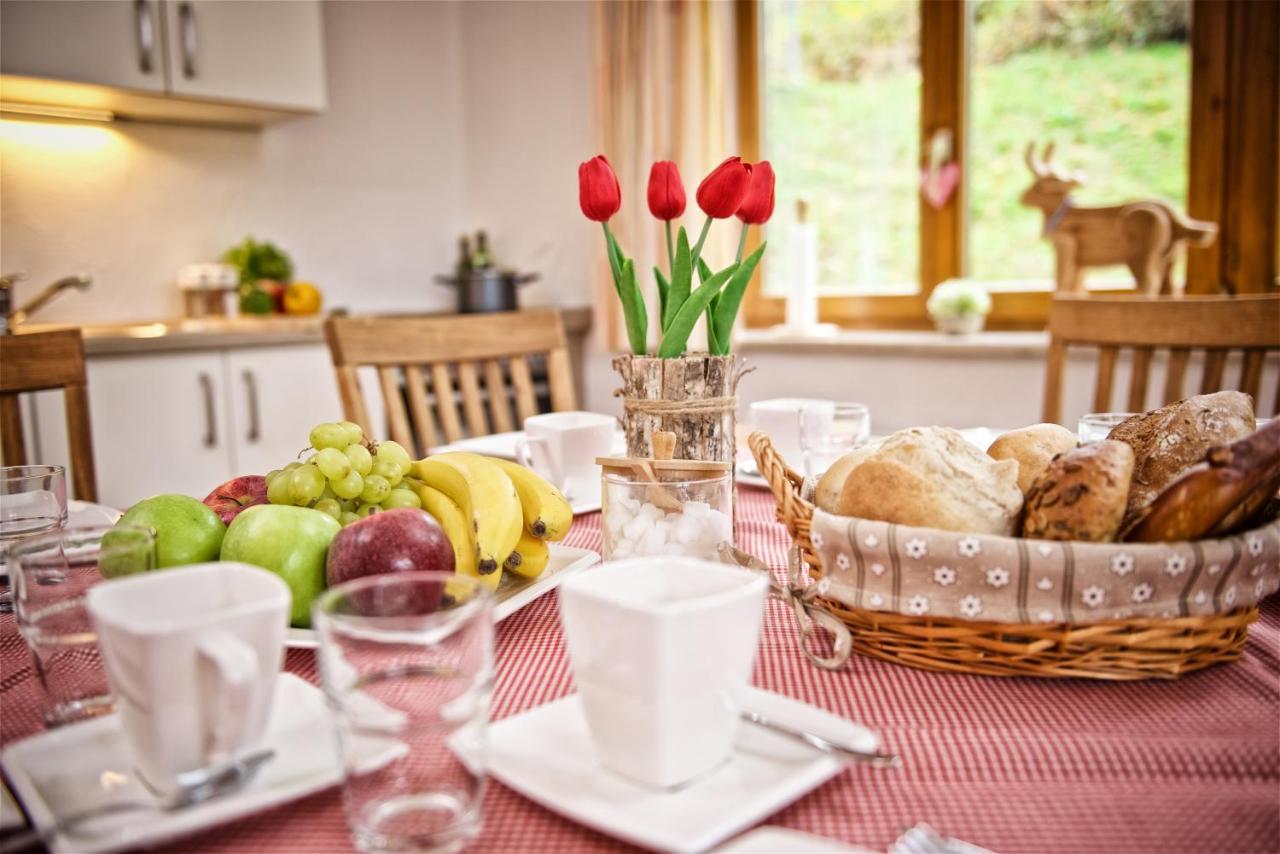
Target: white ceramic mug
x,y
661,648
780,418
562,447
192,655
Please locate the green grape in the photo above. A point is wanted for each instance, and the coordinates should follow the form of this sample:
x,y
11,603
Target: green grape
x,y
361,459
389,470
291,466
348,517
400,498
376,488
396,453
332,463
328,493
278,490
367,510
355,433
349,487
271,475
328,505
328,435
305,485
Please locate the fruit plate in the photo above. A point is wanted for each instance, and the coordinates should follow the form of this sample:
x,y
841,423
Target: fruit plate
x,y
512,594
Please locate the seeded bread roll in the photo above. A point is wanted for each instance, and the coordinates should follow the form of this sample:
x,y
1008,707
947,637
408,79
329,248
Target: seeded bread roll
x,y
1168,441
929,477
1033,448
1081,495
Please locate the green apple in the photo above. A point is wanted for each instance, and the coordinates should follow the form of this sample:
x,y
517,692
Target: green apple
x,y
186,530
292,542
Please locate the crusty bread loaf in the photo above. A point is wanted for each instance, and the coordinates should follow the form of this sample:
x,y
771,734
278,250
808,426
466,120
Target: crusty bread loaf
x,y
1169,440
1081,495
930,477
1033,447
830,485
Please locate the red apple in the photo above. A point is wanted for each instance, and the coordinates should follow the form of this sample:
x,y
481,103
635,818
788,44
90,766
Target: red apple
x,y
235,495
401,540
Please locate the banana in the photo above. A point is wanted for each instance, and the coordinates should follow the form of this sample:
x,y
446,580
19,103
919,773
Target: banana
x,y
547,513
483,491
530,556
460,530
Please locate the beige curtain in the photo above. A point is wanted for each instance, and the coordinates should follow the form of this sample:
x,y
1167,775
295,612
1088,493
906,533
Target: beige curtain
x,y
665,90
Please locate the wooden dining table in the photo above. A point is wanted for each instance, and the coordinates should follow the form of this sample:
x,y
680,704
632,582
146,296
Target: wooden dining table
x,y
1010,764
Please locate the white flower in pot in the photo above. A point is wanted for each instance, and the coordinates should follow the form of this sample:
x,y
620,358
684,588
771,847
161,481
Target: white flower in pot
x,y
959,307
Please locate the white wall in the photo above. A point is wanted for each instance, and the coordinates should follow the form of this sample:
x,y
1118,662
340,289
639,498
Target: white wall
x,y
443,117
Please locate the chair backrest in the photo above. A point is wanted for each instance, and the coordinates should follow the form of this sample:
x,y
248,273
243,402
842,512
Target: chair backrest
x,y
1215,324
37,362
455,355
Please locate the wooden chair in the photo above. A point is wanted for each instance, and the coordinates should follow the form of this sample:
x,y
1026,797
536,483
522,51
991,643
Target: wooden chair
x,y
456,352
37,362
1216,324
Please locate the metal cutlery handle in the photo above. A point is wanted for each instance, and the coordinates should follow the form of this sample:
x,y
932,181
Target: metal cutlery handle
x,y
146,35
210,421
187,23
877,759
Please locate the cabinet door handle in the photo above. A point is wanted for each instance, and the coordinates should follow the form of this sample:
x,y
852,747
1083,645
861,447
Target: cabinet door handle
x,y
146,35
210,419
187,23
251,389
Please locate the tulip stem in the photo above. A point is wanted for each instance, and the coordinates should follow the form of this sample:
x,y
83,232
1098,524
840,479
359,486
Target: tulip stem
x,y
702,238
742,244
614,264
671,252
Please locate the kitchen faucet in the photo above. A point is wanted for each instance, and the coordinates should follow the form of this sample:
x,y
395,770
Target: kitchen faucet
x,y
9,317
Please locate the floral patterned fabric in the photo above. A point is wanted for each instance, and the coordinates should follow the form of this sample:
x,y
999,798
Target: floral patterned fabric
x,y
927,572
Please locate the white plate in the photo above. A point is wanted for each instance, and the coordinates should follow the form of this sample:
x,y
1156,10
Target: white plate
x,y
512,594
772,840
746,474
546,755
86,514
504,445
83,765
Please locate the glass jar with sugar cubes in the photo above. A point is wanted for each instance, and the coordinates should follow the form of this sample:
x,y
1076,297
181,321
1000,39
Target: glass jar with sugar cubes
x,y
662,506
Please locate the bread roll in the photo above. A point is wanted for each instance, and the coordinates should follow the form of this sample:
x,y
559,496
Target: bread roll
x,y
1169,440
827,492
1033,448
1081,495
929,477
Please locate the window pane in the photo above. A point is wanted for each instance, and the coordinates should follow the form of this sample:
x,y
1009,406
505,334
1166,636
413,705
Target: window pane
x,y
841,127
1107,81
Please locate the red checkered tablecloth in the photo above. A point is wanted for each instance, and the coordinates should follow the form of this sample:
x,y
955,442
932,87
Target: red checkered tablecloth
x,y
1009,764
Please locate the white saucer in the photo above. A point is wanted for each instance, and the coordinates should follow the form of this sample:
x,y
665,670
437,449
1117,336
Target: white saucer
x,y
504,445
512,594
86,514
546,755
772,840
83,765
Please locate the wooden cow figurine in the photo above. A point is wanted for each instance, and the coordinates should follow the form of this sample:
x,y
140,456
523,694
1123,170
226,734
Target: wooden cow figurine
x,y
1145,236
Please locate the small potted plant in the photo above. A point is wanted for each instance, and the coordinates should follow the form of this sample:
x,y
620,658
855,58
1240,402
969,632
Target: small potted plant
x,y
959,307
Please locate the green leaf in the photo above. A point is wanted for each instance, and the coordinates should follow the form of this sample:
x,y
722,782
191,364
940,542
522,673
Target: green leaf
x,y
704,273
663,287
676,338
727,308
681,280
615,259
633,309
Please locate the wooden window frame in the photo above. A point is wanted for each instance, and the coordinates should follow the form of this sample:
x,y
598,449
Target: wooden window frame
x,y
1233,162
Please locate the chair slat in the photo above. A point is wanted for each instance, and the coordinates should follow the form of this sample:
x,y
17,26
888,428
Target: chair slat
x,y
352,398
1176,373
522,382
1215,360
472,400
1106,378
446,404
397,418
420,409
1139,369
13,449
499,408
560,378
1251,372
1054,357
84,481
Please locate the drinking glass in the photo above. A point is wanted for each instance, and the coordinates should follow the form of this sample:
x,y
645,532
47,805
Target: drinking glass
x,y
829,432
409,656
33,500
1095,426
52,573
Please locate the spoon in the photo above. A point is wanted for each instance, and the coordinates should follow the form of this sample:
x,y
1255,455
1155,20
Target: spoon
x,y
877,759
194,787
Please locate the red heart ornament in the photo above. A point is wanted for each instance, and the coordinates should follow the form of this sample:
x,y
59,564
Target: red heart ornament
x,y
938,184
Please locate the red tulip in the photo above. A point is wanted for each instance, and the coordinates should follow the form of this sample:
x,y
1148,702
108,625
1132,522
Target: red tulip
x,y
757,207
598,191
666,193
721,193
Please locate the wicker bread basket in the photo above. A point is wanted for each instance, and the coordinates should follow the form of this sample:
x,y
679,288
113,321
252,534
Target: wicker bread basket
x,y
1128,649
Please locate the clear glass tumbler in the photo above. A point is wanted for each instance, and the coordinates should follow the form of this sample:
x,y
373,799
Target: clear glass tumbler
x,y
409,656
690,518
1096,426
52,573
829,432
33,500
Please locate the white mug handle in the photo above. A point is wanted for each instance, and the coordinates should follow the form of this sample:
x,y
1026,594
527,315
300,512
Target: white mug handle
x,y
228,677
524,456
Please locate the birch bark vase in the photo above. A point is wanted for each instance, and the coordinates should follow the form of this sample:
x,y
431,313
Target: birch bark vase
x,y
693,396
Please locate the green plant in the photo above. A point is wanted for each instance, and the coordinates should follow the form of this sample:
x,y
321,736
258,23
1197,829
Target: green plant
x,y
959,298
257,261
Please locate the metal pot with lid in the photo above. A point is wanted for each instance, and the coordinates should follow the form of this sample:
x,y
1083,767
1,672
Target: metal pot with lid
x,y
487,290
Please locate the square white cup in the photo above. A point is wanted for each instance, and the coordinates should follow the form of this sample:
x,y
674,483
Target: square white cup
x,y
562,447
661,648
192,655
780,418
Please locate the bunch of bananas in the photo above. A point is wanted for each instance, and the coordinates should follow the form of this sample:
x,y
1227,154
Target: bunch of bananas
x,y
497,514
